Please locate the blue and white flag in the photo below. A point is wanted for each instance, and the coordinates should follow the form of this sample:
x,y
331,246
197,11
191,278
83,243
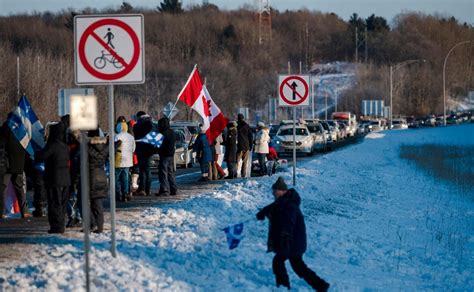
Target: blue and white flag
x,y
234,234
153,138
26,127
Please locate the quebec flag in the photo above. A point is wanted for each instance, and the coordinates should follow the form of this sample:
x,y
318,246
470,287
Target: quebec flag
x,y
26,127
153,138
234,234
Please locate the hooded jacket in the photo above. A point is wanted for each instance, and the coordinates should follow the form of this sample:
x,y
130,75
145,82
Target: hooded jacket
x,y
140,130
3,152
167,148
203,149
56,158
244,136
126,147
231,144
261,141
98,155
287,230
16,152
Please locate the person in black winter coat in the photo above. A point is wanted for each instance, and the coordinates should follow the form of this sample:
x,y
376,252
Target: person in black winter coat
x,y
244,143
144,152
230,156
3,169
56,177
287,236
16,167
166,171
98,155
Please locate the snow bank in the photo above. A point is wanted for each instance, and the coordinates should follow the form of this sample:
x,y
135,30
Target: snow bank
x,y
374,222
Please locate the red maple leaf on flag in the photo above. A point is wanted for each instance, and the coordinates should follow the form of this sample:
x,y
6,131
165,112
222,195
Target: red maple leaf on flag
x,y
207,106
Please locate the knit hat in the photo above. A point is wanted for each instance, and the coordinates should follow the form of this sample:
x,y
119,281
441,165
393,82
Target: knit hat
x,y
261,124
280,184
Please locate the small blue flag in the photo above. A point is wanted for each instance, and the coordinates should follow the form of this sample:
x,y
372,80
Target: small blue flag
x,y
153,138
234,234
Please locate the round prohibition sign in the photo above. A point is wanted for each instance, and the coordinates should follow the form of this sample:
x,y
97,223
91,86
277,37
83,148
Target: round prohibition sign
x,y
89,32
286,82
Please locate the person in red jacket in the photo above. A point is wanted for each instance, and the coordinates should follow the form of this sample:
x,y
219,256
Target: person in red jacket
x,y
272,157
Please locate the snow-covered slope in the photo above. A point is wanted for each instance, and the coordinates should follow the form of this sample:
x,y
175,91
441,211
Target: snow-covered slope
x,y
375,222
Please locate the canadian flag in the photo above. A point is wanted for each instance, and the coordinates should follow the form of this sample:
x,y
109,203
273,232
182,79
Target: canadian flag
x,y
196,96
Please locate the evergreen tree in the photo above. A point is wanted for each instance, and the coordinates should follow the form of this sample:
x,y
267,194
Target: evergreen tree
x,y
171,6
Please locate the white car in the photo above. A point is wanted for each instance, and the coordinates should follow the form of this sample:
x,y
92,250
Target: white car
x,y
399,124
284,140
319,136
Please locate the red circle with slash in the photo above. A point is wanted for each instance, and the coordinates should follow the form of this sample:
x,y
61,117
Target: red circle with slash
x,y
128,67
286,82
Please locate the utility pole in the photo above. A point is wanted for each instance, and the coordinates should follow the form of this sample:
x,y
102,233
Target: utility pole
x,y
356,45
365,42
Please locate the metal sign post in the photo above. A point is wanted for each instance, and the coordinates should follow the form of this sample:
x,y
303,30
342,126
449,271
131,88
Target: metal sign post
x,y
84,117
293,92
85,204
110,90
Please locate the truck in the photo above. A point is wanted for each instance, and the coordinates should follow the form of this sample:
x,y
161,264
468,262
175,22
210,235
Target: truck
x,y
348,119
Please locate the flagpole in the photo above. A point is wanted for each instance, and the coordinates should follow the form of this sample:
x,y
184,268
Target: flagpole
x,y
177,98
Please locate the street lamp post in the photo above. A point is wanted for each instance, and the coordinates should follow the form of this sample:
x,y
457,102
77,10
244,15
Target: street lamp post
x,y
444,78
393,69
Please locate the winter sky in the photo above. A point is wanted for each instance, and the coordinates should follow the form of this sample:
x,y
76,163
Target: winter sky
x,y
461,9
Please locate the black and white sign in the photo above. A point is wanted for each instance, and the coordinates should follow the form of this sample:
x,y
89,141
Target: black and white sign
x,y
293,90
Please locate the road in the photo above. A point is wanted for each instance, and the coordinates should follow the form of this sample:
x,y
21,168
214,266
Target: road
x,y
23,230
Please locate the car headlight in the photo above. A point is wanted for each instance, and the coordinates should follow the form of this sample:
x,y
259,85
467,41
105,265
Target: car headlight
x,y
307,141
278,141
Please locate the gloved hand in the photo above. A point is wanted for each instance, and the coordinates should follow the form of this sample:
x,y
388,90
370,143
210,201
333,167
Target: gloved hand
x,y
261,215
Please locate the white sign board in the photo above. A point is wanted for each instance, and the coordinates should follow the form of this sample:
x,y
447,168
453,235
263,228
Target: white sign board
x,y
293,90
64,95
109,49
83,112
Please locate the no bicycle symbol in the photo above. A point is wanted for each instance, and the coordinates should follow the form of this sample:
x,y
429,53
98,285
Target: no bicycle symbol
x,y
293,90
109,49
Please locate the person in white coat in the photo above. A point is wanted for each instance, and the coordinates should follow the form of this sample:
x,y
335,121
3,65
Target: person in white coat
x,y
261,146
125,146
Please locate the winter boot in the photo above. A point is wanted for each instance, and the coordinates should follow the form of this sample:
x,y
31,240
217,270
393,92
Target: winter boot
x,y
134,182
316,282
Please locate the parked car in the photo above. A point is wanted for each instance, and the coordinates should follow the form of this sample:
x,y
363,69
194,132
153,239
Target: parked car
x,y
430,121
319,136
364,127
184,154
284,140
273,130
399,124
334,127
331,132
376,125
343,129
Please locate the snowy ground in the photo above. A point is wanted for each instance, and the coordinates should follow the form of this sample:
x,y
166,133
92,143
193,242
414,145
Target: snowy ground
x,y
375,222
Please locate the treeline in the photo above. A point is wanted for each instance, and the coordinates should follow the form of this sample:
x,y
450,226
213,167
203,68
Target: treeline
x,y
239,70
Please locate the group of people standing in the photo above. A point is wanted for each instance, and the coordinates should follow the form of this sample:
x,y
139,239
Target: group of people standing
x,y
55,170
238,140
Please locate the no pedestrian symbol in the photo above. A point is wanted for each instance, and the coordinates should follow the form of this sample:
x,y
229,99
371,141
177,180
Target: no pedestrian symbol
x,y
109,49
293,90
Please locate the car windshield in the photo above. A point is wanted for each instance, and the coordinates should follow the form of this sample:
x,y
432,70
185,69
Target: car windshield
x,y
395,122
314,129
289,131
374,123
325,126
331,123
